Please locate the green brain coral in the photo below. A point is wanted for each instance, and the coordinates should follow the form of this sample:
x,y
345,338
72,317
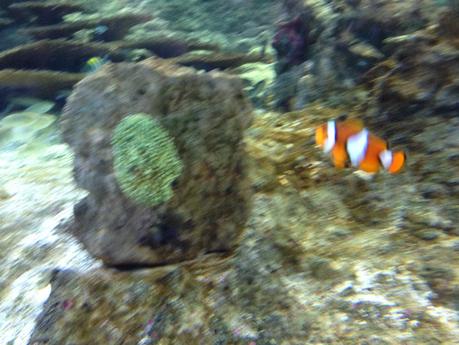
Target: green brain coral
x,y
145,159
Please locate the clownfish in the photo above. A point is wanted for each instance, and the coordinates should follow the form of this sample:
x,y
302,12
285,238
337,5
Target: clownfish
x,y
349,141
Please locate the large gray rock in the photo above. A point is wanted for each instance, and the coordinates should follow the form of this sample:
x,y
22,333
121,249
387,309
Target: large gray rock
x,y
206,115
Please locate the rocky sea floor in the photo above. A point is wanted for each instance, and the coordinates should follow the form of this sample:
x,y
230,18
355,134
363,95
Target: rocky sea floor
x,y
313,266
37,193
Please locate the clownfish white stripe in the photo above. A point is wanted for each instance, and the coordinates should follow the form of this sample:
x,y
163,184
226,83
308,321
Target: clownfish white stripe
x,y
357,147
385,157
331,136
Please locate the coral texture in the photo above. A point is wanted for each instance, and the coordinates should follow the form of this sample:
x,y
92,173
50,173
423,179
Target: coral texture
x,y
146,161
290,43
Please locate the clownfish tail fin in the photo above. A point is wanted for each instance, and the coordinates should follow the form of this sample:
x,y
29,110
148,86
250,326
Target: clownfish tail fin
x,y
398,161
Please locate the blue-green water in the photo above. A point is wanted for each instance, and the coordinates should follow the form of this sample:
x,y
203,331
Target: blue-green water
x,y
316,200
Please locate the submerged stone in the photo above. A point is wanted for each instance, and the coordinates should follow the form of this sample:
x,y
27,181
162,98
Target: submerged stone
x,y
427,235
205,116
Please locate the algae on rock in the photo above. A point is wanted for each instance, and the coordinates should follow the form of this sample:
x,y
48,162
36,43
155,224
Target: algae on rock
x,y
145,160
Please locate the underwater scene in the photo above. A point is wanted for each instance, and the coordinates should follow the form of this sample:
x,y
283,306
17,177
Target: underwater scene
x,y
229,172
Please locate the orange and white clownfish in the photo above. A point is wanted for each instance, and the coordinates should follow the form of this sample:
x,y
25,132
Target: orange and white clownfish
x,y
349,141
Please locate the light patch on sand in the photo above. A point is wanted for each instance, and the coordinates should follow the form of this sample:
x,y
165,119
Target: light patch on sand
x,y
41,196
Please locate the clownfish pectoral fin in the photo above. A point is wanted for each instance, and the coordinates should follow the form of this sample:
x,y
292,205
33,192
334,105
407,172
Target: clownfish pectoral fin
x,y
339,156
370,166
398,160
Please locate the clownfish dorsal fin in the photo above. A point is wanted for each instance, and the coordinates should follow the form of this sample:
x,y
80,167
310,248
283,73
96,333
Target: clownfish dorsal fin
x,y
387,145
342,117
355,123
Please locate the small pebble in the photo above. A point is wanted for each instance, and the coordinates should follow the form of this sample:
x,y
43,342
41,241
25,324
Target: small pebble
x,y
432,191
145,341
4,194
427,235
348,291
341,232
68,304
